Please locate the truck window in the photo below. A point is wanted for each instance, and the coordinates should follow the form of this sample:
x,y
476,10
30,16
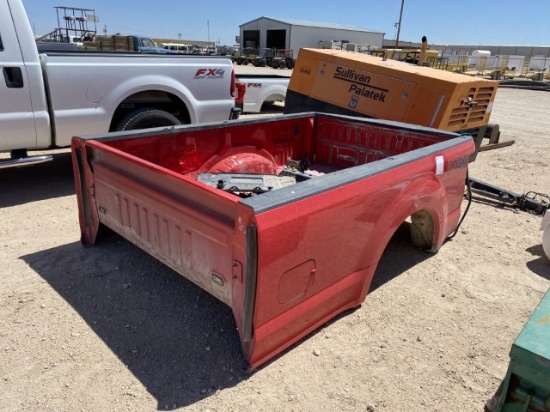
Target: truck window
x,y
1,44
147,43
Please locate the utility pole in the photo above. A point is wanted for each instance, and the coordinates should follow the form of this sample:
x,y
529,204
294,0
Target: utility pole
x,y
399,25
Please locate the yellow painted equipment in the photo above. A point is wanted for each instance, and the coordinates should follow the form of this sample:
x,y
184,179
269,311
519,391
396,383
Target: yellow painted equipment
x,y
408,55
359,84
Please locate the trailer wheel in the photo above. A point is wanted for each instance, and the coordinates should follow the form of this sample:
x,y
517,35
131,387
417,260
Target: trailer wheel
x,y
492,132
146,118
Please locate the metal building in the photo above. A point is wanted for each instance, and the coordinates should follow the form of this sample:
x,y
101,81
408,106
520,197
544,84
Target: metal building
x,y
295,34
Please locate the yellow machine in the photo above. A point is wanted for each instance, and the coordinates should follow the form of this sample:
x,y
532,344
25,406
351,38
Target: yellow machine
x,y
359,84
407,55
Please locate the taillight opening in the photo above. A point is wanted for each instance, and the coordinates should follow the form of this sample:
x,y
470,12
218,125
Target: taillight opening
x,y
233,87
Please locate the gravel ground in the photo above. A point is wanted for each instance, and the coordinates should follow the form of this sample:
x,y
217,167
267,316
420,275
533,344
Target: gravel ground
x,y
111,329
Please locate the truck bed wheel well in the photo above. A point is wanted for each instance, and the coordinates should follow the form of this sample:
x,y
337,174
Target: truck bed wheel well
x,y
152,99
146,117
272,98
397,257
422,229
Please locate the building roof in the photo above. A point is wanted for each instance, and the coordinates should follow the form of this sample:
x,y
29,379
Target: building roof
x,y
315,24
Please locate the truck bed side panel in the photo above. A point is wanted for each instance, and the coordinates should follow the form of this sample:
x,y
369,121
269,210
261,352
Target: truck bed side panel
x,y
260,89
86,87
317,255
193,230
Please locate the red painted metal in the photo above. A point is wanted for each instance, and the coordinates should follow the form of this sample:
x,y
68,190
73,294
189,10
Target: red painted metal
x,y
289,260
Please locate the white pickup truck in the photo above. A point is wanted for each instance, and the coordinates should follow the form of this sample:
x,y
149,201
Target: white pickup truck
x,y
260,89
48,97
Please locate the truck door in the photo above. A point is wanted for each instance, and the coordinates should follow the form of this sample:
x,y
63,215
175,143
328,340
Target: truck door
x,y
21,84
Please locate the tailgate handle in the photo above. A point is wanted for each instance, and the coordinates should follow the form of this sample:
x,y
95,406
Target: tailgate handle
x,y
13,77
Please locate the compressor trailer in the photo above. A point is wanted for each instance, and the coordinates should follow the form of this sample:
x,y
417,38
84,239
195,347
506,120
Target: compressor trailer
x,y
358,84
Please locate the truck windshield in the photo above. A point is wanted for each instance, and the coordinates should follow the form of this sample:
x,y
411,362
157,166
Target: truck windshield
x,y
147,43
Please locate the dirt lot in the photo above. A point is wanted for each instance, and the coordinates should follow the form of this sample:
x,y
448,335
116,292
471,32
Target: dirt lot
x,y
111,329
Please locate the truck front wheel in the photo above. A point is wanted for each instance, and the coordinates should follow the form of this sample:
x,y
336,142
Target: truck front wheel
x,y
146,118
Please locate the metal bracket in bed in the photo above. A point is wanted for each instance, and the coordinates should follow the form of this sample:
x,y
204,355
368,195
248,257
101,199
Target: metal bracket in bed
x,y
246,184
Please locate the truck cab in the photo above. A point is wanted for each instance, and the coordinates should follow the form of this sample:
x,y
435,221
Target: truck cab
x,y
52,95
148,45
23,106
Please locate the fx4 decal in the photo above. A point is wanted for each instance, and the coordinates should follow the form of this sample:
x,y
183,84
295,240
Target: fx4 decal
x,y
209,74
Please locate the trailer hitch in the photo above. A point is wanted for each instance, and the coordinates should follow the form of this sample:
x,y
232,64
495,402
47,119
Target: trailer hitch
x,y
532,202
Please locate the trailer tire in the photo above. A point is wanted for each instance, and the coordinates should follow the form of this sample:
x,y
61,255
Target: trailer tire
x,y
492,132
146,118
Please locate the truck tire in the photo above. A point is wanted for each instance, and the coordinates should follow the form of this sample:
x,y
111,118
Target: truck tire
x,y
146,118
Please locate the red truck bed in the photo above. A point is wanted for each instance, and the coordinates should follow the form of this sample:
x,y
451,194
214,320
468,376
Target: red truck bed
x,y
284,219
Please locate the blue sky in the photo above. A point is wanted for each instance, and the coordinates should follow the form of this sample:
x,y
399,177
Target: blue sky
x,y
503,22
